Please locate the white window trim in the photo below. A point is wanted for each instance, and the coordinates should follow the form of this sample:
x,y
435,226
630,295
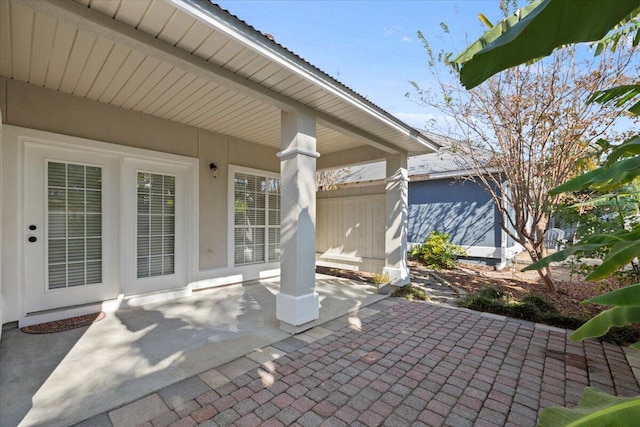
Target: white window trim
x,y
233,169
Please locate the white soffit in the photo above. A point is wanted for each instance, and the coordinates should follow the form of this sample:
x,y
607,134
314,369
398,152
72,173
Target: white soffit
x,y
210,71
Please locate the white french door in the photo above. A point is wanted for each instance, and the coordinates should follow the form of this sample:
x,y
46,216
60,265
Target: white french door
x,y
100,224
70,203
155,233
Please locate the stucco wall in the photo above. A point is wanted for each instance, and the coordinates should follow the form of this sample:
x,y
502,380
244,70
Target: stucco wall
x,y
223,151
37,108
461,208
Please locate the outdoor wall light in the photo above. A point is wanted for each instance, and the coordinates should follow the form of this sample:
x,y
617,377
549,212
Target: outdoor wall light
x,y
214,169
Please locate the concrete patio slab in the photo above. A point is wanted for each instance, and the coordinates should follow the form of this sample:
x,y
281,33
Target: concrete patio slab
x,y
414,363
63,378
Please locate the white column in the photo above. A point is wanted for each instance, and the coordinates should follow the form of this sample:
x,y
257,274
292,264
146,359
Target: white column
x,y
1,188
297,303
397,207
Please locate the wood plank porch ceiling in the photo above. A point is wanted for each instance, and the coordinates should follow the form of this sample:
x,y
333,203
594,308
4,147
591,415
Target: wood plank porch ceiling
x,y
40,48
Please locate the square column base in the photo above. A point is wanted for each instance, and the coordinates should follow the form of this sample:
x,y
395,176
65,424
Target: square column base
x,y
296,329
297,313
399,276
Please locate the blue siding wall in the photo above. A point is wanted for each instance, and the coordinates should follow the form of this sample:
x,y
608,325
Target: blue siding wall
x,y
461,208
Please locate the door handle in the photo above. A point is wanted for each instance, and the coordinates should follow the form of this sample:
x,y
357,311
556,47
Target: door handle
x,y
32,227
33,239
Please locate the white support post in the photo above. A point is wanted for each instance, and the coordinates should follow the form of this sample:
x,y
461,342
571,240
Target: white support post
x,y
397,208
297,303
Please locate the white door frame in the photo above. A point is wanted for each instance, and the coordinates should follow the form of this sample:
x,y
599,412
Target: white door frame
x,y
37,296
187,165
133,286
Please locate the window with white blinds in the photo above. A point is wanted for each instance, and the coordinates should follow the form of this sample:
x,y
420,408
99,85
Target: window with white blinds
x,y
256,219
74,219
155,224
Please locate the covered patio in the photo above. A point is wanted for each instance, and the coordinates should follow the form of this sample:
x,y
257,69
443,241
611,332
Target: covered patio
x,y
195,139
63,378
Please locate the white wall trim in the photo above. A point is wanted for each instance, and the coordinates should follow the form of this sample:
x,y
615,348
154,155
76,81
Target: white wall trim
x,y
342,199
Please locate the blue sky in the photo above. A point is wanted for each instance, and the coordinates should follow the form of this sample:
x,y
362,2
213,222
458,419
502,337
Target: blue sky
x,y
370,46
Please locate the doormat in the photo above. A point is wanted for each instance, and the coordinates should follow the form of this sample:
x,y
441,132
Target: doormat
x,y
64,324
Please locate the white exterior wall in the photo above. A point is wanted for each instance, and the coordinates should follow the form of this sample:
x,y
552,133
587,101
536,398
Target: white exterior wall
x,y
350,229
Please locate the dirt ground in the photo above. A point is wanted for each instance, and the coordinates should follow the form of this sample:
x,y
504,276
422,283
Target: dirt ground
x,y
572,288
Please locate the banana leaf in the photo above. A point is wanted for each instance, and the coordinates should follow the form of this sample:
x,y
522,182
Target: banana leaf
x,y
627,296
589,244
620,254
604,178
621,95
631,147
535,31
564,254
595,408
600,324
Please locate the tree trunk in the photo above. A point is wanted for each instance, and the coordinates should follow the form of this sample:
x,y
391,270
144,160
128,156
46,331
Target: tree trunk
x,y
537,254
545,276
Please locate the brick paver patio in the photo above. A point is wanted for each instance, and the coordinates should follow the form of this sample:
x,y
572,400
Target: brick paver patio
x,y
396,363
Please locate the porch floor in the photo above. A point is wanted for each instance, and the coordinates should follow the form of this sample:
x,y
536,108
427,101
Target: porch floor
x,y
62,378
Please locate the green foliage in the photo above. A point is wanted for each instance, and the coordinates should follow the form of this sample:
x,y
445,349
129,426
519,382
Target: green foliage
x,y
603,322
596,408
482,303
530,307
621,95
622,247
563,321
541,304
604,178
525,35
437,251
411,293
381,278
490,292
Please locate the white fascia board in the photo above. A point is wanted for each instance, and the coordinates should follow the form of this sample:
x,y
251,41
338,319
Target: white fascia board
x,y
451,174
418,178
204,12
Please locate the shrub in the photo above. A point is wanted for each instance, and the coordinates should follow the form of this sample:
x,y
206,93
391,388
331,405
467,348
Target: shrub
x,y
482,303
562,321
490,292
437,251
541,304
381,278
521,310
411,292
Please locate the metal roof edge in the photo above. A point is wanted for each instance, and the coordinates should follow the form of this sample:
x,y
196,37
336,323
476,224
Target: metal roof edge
x,y
210,13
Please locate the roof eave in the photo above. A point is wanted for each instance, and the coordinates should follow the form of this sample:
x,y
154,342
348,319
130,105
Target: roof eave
x,y
233,27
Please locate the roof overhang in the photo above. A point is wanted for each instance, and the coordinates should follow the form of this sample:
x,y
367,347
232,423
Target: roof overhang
x,y
190,62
